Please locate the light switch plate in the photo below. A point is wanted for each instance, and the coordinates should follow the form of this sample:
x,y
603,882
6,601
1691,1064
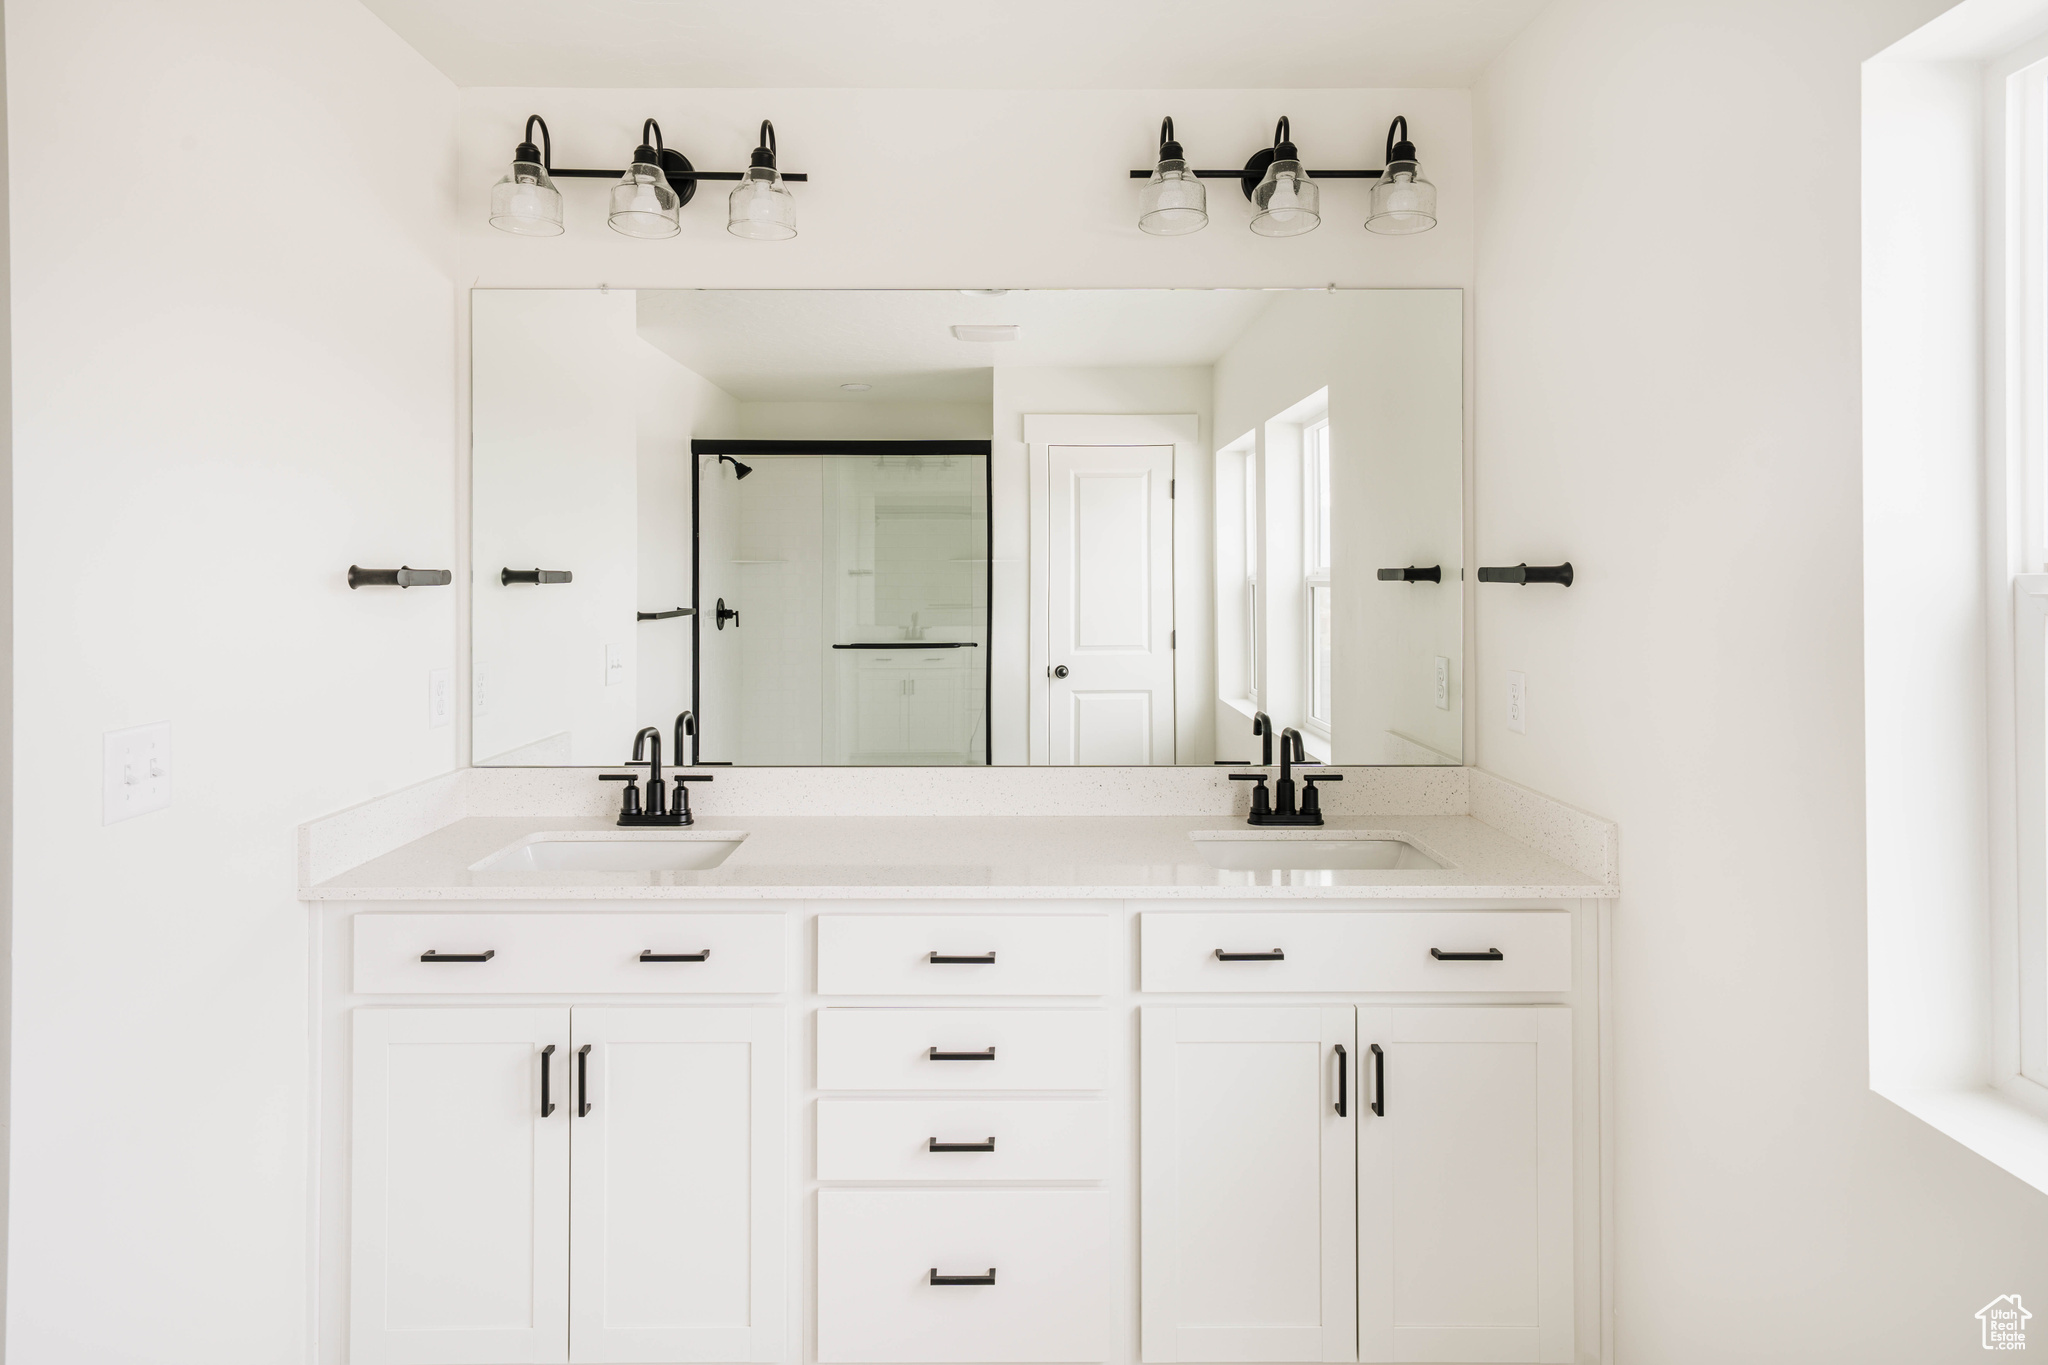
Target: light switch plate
x,y
1518,702
440,698
614,665
136,772
1443,683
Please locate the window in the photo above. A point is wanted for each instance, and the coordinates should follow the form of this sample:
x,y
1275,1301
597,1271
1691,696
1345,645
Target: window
x,y
1315,539
1251,577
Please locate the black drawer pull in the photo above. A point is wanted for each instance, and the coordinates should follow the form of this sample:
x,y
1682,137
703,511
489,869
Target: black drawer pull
x,y
989,1278
1379,1082
583,1082
937,1146
985,960
431,956
651,956
1490,955
1275,956
547,1055
985,1055
1343,1082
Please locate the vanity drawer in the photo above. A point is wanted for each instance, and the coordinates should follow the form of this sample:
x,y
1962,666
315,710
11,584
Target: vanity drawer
x,y
976,1049
1364,951
963,954
595,954
878,1251
895,1139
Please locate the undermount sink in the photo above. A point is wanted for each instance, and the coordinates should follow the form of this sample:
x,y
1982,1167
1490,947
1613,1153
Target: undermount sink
x,y
1336,851
651,851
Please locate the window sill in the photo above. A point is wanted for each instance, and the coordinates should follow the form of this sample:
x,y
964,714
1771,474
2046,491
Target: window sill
x,y
2005,1129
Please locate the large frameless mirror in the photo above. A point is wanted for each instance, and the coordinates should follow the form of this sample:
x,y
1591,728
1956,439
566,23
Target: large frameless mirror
x,y
940,527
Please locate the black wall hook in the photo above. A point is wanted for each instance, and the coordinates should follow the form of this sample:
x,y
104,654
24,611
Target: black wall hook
x,y
1433,574
1526,574
401,577
510,576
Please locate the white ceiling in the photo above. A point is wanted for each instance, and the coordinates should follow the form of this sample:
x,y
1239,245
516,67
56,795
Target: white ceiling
x,y
949,44
800,345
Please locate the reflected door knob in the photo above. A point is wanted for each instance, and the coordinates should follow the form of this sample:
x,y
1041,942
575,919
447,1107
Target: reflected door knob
x,y
1059,670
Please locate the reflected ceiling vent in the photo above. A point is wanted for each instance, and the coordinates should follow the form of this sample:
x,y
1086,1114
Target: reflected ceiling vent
x,y
986,331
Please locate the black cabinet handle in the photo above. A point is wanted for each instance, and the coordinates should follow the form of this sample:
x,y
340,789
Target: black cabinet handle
x,y
989,1278
1490,955
985,1055
985,960
431,956
1379,1082
1275,956
583,1082
651,956
547,1056
1343,1082
937,1146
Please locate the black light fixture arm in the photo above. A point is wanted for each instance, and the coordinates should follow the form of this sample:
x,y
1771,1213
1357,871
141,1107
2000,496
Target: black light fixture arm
x,y
1526,574
1283,133
675,167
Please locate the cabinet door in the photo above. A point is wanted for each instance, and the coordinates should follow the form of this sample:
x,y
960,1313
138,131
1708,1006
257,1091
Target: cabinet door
x,y
937,714
880,696
677,1231
1247,1198
1465,1184
460,1187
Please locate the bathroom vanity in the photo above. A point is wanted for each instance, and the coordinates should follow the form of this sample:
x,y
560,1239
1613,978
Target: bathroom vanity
x,y
988,1087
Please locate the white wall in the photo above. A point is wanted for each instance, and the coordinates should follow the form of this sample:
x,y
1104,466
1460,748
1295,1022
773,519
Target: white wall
x,y
234,338
1668,397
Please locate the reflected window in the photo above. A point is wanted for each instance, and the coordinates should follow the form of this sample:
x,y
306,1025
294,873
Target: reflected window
x,y
1315,497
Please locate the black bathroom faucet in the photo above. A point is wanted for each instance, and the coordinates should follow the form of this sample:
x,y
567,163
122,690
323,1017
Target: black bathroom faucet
x,y
1281,810
660,809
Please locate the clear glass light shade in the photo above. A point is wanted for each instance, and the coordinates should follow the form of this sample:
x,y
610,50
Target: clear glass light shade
x,y
1173,202
527,202
762,208
1286,203
643,205
1402,202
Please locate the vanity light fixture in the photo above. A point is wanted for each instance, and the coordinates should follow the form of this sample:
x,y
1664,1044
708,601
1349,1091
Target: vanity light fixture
x,y
526,201
1287,201
1284,195
647,200
1402,202
762,209
644,204
1174,201
739,471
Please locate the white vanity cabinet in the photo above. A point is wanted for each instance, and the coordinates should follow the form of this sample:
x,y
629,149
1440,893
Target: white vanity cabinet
x,y
1336,1184
557,1184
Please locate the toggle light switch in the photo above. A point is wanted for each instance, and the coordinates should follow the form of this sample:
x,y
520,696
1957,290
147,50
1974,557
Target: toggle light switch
x,y
136,772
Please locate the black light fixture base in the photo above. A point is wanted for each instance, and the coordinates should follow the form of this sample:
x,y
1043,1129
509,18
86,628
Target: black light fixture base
x,y
681,175
1255,169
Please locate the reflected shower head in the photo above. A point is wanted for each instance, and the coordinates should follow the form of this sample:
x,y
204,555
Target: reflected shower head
x,y
739,471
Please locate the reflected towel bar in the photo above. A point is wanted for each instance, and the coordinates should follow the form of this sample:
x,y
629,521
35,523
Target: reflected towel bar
x,y
403,577
918,644
663,615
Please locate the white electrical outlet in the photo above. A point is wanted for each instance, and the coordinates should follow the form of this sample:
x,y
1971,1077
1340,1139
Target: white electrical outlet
x,y
440,698
136,772
1443,683
1518,702
614,665
480,695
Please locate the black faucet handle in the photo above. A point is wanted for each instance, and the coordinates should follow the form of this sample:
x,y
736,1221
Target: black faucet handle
x,y
693,777
1262,805
1248,777
1322,777
630,804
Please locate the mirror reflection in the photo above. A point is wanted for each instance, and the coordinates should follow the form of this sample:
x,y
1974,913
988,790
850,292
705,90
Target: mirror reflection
x,y
848,527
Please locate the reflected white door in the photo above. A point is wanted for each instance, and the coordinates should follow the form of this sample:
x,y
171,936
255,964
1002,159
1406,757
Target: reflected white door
x,y
1109,597
1465,1184
461,1187
676,1237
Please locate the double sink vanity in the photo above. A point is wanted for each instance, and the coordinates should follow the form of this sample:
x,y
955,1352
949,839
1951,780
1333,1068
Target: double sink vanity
x,y
1034,1082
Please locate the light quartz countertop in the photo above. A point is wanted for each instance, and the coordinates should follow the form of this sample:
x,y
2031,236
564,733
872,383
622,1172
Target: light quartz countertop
x,y
965,857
